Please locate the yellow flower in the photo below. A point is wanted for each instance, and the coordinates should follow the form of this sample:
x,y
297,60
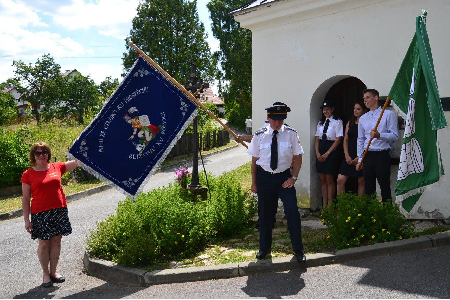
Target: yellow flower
x,y
380,200
374,220
362,235
359,215
328,237
373,236
400,237
353,227
346,221
382,230
124,233
176,242
178,233
349,218
182,236
322,220
388,232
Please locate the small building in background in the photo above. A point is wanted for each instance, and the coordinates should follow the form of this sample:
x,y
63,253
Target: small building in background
x,y
208,96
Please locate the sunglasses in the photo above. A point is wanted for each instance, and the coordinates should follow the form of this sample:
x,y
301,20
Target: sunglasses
x,y
39,153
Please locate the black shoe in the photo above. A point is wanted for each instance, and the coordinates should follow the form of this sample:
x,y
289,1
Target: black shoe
x,y
261,254
301,258
47,284
60,279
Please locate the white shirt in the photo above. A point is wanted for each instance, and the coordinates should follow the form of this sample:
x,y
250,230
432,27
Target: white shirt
x,y
388,129
335,129
248,122
288,146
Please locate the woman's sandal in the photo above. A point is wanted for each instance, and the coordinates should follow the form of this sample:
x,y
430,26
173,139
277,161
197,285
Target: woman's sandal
x,y
57,280
47,284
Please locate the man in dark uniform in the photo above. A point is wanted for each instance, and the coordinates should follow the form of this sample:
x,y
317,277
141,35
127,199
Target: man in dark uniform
x,y
273,148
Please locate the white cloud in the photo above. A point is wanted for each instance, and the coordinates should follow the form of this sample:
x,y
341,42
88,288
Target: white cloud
x,y
18,41
98,72
110,17
16,15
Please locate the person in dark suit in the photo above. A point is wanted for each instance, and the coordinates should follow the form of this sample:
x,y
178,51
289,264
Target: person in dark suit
x,y
273,148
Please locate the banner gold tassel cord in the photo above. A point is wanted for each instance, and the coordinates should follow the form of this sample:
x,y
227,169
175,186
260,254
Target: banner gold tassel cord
x,y
183,89
375,129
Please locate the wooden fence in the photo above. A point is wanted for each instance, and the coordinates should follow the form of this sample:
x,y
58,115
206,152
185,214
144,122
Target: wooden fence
x,y
206,142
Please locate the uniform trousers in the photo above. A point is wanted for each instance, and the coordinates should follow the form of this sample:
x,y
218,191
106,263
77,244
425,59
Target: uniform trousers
x,y
377,166
269,190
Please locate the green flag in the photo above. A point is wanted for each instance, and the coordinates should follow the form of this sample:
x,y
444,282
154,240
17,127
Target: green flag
x,y
415,97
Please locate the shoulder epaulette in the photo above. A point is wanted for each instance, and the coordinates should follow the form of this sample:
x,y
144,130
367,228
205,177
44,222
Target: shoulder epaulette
x,y
262,130
290,128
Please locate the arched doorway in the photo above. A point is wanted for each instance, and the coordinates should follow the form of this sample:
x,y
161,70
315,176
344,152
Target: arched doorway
x,y
344,91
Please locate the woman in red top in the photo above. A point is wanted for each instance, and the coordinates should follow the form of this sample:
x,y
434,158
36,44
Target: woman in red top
x,y
41,184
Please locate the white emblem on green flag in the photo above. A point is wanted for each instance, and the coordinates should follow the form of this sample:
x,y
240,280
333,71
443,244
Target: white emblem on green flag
x,y
415,97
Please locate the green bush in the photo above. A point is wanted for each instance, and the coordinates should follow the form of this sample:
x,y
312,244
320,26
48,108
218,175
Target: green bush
x,y
14,158
167,224
363,220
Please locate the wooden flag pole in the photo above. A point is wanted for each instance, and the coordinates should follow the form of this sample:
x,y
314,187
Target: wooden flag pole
x,y
183,89
375,129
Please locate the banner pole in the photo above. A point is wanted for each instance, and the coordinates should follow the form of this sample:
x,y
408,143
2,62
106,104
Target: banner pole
x,y
183,89
375,129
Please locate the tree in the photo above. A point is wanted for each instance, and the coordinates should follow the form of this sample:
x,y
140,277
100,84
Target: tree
x,y
235,58
170,32
33,80
80,95
9,83
8,109
107,87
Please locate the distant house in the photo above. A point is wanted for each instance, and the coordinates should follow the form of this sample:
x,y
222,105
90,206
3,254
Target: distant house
x,y
22,104
70,73
208,96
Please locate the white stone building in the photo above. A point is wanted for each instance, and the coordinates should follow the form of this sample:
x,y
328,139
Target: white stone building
x,y
306,50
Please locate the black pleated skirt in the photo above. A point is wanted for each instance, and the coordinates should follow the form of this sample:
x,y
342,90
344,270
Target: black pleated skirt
x,y
50,223
332,163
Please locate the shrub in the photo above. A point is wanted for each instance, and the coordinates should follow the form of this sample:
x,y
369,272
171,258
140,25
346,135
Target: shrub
x,y
363,220
15,156
166,224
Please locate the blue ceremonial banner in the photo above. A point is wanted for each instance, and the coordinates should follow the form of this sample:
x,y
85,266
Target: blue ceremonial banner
x,y
135,130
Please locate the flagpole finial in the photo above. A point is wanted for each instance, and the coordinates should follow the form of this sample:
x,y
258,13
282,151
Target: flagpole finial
x,y
424,13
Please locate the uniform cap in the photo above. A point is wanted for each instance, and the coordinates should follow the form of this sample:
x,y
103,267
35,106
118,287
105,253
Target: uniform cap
x,y
278,111
327,103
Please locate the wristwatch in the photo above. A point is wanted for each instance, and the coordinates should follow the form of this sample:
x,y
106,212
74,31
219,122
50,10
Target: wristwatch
x,y
294,177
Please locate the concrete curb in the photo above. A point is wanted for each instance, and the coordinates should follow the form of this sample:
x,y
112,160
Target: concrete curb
x,y
110,271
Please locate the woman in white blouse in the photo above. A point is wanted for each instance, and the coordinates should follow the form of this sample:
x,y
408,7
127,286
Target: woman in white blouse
x,y
329,134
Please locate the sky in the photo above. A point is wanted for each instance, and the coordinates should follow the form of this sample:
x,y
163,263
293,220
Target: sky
x,y
87,35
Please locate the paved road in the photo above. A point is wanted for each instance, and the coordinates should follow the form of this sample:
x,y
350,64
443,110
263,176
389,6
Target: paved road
x,y
20,272
413,274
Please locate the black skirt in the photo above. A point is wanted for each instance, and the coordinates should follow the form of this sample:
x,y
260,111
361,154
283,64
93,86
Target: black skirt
x,y
50,223
349,170
331,164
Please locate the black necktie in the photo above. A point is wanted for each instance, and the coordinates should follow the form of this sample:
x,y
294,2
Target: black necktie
x,y
274,151
324,136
